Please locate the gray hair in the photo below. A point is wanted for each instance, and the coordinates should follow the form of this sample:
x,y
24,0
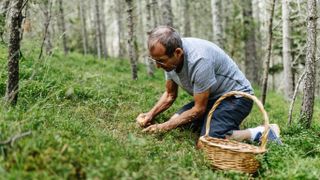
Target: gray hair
x,y
167,36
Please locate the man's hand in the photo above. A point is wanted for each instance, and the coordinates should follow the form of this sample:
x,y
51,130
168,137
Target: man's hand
x,y
144,120
156,128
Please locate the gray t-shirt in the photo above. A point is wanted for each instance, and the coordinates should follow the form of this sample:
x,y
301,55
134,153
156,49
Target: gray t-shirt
x,y
206,66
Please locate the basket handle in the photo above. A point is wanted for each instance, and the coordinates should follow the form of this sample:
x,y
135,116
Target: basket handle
x,y
246,95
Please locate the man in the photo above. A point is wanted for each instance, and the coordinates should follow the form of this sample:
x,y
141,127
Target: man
x,y
206,72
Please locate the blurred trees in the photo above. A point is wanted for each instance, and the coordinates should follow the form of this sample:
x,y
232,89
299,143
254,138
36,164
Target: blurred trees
x,y
101,28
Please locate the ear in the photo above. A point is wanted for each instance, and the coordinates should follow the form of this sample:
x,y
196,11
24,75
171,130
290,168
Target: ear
x,y
178,52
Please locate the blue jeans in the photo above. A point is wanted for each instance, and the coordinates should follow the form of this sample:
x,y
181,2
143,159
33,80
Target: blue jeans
x,y
227,117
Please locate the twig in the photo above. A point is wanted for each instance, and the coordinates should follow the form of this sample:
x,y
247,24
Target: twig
x,y
294,97
14,138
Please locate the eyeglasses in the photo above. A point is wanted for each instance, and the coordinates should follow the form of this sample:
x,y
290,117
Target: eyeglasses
x,y
159,62
156,61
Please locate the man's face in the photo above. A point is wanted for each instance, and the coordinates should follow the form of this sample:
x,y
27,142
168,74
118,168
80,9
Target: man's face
x,y
158,55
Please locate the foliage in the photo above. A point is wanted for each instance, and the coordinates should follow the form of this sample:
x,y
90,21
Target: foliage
x,y
82,112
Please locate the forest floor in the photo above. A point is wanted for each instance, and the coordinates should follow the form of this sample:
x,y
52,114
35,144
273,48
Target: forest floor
x,y
81,112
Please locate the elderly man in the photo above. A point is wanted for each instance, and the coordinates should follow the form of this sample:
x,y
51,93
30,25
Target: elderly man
x,y
206,72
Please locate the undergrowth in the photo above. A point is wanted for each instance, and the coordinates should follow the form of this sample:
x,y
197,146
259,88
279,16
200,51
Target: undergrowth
x,y
81,112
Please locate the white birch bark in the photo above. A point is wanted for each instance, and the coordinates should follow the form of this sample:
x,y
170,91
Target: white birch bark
x,y
286,50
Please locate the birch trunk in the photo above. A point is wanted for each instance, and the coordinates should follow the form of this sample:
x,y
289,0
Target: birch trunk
x,y
84,32
267,61
119,14
63,28
46,31
186,14
98,30
154,13
131,46
309,83
217,22
3,15
167,16
252,63
14,53
286,50
150,65
104,31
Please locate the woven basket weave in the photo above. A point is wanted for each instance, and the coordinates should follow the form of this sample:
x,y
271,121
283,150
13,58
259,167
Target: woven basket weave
x,y
233,155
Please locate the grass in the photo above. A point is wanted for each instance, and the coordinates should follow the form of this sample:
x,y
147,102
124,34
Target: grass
x,y
81,112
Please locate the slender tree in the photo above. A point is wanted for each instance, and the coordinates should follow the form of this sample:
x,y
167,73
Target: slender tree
x,y
63,27
133,60
252,63
186,15
14,52
98,29
267,60
286,50
309,83
217,22
150,65
84,32
120,27
46,32
3,15
154,13
167,16
103,30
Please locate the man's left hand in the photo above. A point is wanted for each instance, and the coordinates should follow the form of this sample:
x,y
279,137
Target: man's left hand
x,y
156,128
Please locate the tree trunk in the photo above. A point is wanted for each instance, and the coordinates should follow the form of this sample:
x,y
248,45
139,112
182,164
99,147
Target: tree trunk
x,y
14,53
46,35
150,65
84,28
3,15
167,16
217,22
267,61
309,83
131,38
119,13
252,63
98,30
63,28
186,15
104,31
154,13
286,50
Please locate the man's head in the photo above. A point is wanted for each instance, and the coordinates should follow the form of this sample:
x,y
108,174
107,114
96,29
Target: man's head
x,y
165,47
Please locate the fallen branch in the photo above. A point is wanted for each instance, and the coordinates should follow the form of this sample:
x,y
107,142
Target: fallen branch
x,y
14,138
294,97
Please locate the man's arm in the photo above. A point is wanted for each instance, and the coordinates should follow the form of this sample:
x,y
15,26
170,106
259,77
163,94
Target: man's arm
x,y
195,112
163,103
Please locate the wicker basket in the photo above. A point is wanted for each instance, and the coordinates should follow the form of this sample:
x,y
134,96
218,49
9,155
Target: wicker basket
x,y
233,155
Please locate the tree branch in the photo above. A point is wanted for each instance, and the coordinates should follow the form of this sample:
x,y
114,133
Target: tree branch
x,y
14,138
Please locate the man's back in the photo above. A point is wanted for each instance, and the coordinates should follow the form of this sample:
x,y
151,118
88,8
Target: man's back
x,y
207,66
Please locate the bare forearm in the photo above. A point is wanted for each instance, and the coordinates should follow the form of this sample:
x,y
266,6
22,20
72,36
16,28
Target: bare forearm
x,y
184,118
163,104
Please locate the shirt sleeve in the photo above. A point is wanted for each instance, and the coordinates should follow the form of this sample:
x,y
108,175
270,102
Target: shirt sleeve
x,y
203,76
167,76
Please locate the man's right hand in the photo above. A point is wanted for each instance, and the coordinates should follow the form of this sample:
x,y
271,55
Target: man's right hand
x,y
144,120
